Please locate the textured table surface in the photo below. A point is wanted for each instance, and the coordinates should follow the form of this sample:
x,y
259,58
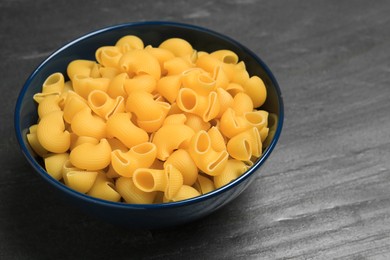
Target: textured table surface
x,y
323,194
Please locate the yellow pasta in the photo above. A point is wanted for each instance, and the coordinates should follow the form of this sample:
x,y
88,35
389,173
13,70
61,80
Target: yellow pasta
x,y
139,156
53,164
137,62
51,133
232,171
91,157
84,123
145,124
121,127
104,189
171,137
131,194
105,106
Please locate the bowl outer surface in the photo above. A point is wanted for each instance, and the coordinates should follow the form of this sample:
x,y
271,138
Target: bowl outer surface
x,y
152,33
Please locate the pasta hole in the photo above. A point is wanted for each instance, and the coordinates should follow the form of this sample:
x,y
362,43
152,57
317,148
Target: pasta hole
x,y
53,79
230,59
188,100
98,99
203,143
145,180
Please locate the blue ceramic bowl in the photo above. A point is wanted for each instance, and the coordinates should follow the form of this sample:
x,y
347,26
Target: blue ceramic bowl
x,y
156,215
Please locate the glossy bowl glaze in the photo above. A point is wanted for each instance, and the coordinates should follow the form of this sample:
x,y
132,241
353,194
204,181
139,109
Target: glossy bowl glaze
x,y
153,33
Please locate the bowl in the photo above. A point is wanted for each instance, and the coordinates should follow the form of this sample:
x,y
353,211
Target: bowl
x,y
147,216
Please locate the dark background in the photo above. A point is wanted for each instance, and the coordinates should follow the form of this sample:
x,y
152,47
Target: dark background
x,y
325,191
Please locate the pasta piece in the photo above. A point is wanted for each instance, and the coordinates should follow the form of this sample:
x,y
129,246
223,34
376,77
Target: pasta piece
x,y
80,67
116,87
54,83
240,75
131,194
161,55
207,159
184,193
129,42
83,85
169,86
175,119
36,145
121,127
108,56
51,133
171,137
220,78
54,163
78,140
231,124
234,88
136,62
226,56
84,123
256,89
81,181
257,118
217,140
74,103
179,47
104,189
232,171
245,145
91,157
109,72
49,104
139,156
198,80
117,145
181,160
209,63
204,185
242,103
103,105
143,82
197,123
225,101
176,66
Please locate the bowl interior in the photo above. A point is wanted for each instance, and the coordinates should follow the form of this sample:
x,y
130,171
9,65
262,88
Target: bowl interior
x,y
152,33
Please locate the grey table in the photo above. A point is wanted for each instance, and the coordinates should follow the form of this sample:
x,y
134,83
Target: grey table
x,y
323,194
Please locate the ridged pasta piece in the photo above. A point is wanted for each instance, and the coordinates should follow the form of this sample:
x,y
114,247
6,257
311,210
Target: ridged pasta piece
x,y
104,189
218,142
209,63
245,145
176,66
103,105
121,127
84,123
140,156
161,55
129,42
181,160
171,137
196,122
175,119
169,86
264,132
109,72
54,83
91,157
143,82
131,194
257,118
83,85
51,133
74,103
179,47
108,56
78,140
207,159
232,171
231,124
220,77
81,181
242,104
54,163
136,62
198,80
234,88
116,87
256,89
204,185
169,180
80,67
184,193
36,145
49,104
240,75
225,101
68,167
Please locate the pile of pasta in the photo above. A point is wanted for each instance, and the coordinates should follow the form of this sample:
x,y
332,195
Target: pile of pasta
x,y
145,124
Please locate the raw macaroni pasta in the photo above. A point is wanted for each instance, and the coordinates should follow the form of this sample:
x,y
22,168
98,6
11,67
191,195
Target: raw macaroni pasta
x,y
150,124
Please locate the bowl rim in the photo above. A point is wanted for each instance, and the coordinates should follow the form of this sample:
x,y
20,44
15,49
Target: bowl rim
x,y
59,185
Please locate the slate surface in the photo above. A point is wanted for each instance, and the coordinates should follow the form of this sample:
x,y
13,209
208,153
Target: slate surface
x,y
323,194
